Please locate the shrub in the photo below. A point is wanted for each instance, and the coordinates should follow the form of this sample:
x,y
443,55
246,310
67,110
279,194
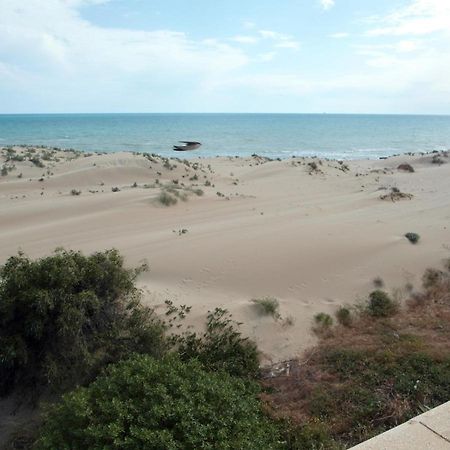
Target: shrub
x,y
381,305
4,171
115,189
431,277
146,403
166,199
412,237
406,168
344,316
198,192
268,306
75,192
37,162
312,435
437,160
220,347
323,320
65,316
396,195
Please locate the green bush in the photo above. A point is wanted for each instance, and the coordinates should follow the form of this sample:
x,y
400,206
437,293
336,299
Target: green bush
x,y
312,435
65,316
143,403
381,305
344,316
268,306
412,237
323,320
221,347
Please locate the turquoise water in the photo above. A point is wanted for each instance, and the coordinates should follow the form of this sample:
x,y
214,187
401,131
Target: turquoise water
x,y
273,135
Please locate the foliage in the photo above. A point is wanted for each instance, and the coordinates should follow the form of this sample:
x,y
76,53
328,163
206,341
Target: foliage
x,y
65,316
406,168
312,435
268,306
380,388
37,162
381,305
412,237
344,316
323,321
166,199
221,347
432,277
372,376
155,404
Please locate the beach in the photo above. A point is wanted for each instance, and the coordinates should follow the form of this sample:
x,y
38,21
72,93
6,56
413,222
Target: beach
x,y
312,233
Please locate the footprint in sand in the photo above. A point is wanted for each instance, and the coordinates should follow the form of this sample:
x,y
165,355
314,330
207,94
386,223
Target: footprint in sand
x,y
328,301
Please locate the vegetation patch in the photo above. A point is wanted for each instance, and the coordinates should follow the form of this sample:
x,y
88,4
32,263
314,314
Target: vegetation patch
x,y
154,404
381,305
344,316
406,168
65,316
221,347
323,322
268,306
412,237
167,199
396,195
365,379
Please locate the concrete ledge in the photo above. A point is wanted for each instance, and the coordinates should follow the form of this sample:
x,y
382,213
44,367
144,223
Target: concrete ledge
x,y
429,431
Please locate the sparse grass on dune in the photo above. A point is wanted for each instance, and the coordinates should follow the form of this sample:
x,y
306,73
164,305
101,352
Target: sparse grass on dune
x,y
268,306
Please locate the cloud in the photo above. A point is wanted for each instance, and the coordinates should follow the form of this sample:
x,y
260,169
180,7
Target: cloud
x,y
339,35
51,36
281,40
294,45
327,4
245,39
419,17
268,34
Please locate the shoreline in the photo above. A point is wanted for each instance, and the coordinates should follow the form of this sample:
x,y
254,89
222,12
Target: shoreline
x,y
193,154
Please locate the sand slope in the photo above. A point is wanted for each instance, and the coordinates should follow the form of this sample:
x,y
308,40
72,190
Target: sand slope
x,y
313,236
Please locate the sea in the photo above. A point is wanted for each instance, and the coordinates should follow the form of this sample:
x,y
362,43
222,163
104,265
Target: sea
x,y
337,136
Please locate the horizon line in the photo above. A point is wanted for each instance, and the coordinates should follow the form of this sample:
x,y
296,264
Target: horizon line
x,y
225,112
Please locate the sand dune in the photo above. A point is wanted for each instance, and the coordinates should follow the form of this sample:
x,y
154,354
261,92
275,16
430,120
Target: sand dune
x,y
314,234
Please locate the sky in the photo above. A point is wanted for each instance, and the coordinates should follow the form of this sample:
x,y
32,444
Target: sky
x,y
284,56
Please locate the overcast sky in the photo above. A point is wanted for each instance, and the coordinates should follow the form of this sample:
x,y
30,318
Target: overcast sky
x,y
361,56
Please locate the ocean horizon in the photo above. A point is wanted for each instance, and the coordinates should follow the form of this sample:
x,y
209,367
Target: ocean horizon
x,y
274,135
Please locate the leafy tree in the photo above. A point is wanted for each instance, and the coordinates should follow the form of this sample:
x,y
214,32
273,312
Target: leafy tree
x,y
65,316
